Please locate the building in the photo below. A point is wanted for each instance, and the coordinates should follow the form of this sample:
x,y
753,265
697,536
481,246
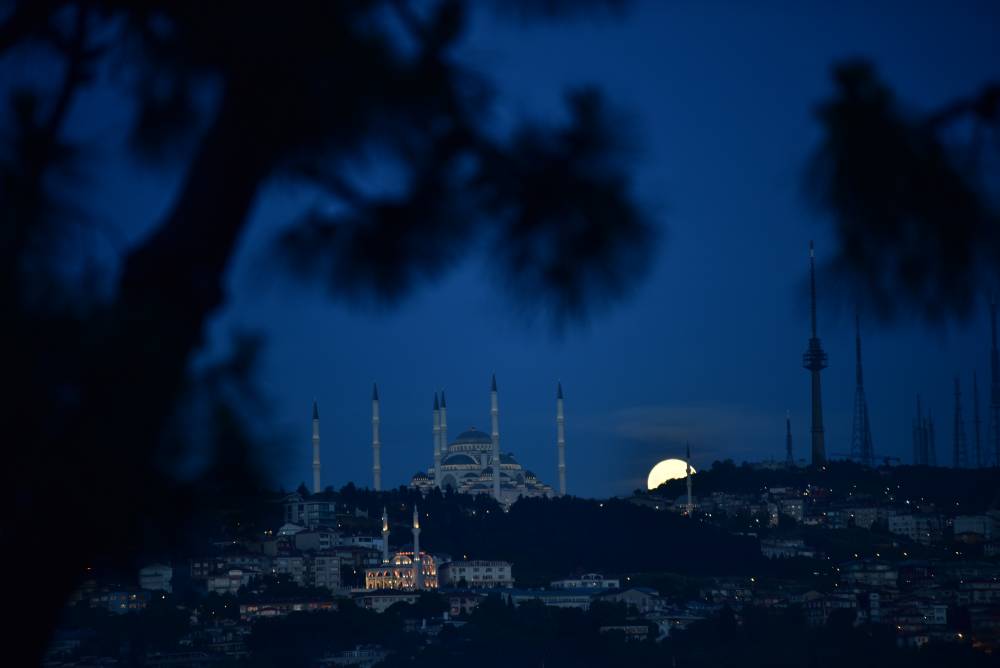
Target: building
x,y
380,601
869,573
320,538
587,581
464,602
818,607
229,582
642,599
292,566
281,608
399,573
476,574
980,525
978,592
785,548
636,632
923,529
311,511
121,600
558,598
407,570
469,463
156,577
362,656
794,508
324,571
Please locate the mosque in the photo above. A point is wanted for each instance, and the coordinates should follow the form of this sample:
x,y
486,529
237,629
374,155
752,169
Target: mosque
x,y
469,463
408,569
472,463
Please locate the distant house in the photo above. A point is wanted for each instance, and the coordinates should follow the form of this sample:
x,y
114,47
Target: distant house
x,y
869,573
785,548
557,598
230,581
380,601
121,600
320,538
476,574
818,607
156,577
311,511
280,608
642,599
587,581
630,631
983,526
922,528
463,602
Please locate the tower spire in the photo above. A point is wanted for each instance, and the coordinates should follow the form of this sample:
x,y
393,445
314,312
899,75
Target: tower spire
x,y
815,360
385,536
561,439
789,455
418,571
443,436
960,458
976,422
994,385
862,449
376,442
315,443
437,441
919,437
930,439
495,436
687,463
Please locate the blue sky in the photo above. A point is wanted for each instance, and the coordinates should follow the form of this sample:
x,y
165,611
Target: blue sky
x,y
719,97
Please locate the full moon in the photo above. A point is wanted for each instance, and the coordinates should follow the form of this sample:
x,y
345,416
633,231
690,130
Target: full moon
x,y
668,469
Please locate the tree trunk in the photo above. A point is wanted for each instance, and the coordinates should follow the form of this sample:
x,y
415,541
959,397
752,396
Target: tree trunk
x,y
95,479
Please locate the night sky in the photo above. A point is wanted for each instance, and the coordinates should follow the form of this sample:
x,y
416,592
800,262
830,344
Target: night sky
x,y
708,348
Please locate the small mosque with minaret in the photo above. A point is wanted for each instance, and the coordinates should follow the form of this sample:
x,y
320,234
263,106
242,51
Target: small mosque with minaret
x,y
470,463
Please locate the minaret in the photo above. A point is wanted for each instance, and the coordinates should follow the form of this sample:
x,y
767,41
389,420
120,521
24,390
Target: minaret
x,y
789,455
385,536
862,449
316,466
976,422
815,360
437,442
443,439
418,571
376,443
561,439
687,462
960,458
495,435
919,437
931,445
994,386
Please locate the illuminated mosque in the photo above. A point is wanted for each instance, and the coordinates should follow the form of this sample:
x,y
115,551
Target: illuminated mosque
x,y
408,569
469,463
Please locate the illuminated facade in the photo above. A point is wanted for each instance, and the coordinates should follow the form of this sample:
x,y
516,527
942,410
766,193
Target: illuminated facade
x,y
399,573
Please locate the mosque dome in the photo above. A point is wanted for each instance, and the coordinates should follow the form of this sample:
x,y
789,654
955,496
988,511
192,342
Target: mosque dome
x,y
459,459
473,437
